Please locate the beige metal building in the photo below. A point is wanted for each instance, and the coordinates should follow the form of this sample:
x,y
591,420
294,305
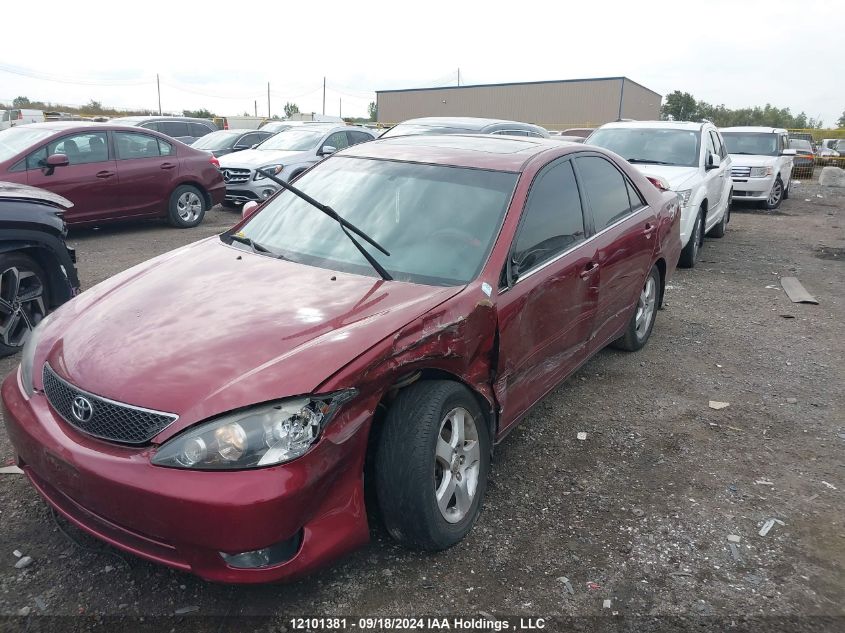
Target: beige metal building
x,y
556,105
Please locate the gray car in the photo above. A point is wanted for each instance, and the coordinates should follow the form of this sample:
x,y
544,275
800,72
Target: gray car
x,y
287,154
464,125
182,128
224,142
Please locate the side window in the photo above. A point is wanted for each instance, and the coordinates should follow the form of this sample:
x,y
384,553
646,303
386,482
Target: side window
x,y
552,221
717,143
247,140
356,137
150,125
136,145
711,145
606,190
173,128
5,116
33,161
80,149
634,197
337,140
165,148
198,129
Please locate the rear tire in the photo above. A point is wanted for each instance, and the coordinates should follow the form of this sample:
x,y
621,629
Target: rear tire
x,y
23,300
786,189
432,462
642,321
187,207
689,256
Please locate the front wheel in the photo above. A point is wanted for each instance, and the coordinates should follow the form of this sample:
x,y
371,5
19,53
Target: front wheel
x,y
775,195
23,300
642,321
689,256
187,207
432,463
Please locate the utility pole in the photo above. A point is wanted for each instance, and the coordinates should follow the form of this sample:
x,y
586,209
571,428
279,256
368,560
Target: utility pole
x,y
459,76
158,86
268,100
256,108
340,107
324,95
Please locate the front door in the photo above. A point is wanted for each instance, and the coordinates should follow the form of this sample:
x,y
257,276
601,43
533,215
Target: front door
x,y
624,230
547,300
89,180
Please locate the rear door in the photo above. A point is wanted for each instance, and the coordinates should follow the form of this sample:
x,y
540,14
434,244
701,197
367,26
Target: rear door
x,y
147,169
547,301
89,180
623,230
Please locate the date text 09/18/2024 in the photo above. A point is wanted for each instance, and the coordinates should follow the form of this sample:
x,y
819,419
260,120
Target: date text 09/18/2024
x,y
454,623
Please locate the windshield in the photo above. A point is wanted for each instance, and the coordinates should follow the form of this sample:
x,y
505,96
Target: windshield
x,y
411,129
293,140
758,144
275,127
797,143
217,140
437,222
18,139
650,145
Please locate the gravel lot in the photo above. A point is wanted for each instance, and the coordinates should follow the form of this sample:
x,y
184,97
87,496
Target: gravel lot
x,y
642,507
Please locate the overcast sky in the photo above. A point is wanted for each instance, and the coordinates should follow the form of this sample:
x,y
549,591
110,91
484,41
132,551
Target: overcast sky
x,y
220,55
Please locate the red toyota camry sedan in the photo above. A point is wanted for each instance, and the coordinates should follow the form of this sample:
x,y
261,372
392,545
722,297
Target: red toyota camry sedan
x,y
402,305
112,172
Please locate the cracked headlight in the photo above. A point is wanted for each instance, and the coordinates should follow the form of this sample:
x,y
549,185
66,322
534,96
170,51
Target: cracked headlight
x,y
761,172
273,169
684,196
259,436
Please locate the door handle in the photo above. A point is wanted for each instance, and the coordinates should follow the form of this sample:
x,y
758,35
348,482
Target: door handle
x,y
648,229
589,270
105,174
167,165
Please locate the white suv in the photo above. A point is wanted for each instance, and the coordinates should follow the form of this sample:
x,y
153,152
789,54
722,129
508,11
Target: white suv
x,y
761,164
688,158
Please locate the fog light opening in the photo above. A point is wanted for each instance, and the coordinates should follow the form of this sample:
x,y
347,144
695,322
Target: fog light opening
x,y
267,193
265,557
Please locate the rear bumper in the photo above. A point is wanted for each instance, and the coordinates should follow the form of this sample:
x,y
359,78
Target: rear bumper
x,y
185,519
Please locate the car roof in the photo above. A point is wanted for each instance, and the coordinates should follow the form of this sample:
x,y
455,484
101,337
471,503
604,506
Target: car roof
x,y
480,151
14,191
658,125
71,126
758,129
466,122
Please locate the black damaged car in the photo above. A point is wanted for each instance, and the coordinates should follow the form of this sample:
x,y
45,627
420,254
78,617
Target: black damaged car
x,y
37,268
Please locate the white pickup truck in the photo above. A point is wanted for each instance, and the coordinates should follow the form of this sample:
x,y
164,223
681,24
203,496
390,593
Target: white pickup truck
x,y
761,163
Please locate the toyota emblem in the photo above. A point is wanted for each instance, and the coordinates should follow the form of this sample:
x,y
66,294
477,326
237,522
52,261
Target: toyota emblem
x,y
82,409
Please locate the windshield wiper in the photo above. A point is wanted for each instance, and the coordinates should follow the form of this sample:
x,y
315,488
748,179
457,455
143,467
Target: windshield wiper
x,y
648,162
347,227
255,246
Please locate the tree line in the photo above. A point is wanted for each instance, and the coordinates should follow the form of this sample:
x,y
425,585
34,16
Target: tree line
x,y
682,106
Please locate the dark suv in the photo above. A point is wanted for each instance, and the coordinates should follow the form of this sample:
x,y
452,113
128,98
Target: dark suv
x,y
37,271
182,128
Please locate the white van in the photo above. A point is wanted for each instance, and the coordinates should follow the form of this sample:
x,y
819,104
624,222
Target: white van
x,y
20,116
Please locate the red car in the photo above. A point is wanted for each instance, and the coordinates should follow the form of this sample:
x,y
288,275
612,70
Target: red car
x,y
215,408
112,172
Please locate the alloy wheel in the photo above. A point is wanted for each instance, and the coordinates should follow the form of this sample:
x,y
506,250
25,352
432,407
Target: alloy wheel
x,y
696,238
21,305
775,194
645,307
189,206
456,465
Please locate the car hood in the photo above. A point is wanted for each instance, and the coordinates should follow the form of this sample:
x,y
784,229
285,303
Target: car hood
x,y
679,178
259,157
210,328
752,160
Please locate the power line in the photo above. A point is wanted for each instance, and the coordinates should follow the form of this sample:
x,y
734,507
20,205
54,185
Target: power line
x,y
76,82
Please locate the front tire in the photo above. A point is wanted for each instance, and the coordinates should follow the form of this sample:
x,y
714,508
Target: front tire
x,y
721,228
23,300
187,207
642,321
689,256
432,463
775,195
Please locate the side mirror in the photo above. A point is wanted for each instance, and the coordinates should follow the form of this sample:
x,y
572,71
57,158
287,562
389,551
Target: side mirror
x,y
788,152
249,209
713,161
238,148
53,161
327,150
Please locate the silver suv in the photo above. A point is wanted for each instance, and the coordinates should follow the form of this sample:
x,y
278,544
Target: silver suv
x,y
288,154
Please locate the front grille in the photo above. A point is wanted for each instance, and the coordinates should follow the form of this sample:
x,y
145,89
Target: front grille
x,y
108,420
233,175
741,172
